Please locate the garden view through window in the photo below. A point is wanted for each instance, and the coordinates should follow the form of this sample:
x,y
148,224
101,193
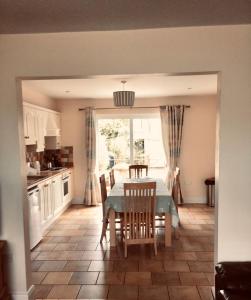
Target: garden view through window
x,y
121,142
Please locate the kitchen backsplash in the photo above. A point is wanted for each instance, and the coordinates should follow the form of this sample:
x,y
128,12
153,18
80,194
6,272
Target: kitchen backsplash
x,y
59,158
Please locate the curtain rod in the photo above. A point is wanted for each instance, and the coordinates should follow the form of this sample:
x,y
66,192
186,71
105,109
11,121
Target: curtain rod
x,y
101,108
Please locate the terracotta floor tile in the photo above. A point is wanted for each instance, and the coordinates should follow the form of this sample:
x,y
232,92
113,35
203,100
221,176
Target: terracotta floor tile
x,y
123,292
72,246
34,254
193,278
84,278
93,292
113,255
126,266
138,278
183,293
52,265
205,292
210,278
57,278
58,239
87,239
186,256
176,266
86,246
100,265
92,255
165,278
111,278
66,232
153,292
77,265
37,277
35,265
65,247
45,246
64,292
49,256
205,256
41,291
201,266
151,266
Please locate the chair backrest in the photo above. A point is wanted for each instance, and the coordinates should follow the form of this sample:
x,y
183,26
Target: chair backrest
x,y
176,189
139,210
103,188
137,170
103,192
112,178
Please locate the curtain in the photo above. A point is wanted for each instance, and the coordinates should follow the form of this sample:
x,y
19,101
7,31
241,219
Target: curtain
x,y
172,119
92,190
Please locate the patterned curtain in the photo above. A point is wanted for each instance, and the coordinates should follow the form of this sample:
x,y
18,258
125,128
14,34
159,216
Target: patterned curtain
x,y
92,191
172,119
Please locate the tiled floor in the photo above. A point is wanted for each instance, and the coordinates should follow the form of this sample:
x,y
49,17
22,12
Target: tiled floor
x,y
71,263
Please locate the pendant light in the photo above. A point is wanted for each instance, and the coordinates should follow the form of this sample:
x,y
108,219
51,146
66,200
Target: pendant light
x,y
123,98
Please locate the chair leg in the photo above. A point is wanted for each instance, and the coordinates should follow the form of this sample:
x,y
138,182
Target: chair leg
x,y
104,228
155,247
125,249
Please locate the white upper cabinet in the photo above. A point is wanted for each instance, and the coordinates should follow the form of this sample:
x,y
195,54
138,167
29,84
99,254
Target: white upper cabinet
x,y
29,126
39,123
41,119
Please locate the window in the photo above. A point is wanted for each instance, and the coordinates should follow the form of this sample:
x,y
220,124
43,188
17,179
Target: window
x,y
125,141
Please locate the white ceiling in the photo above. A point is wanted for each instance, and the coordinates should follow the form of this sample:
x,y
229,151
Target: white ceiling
x,y
155,85
30,16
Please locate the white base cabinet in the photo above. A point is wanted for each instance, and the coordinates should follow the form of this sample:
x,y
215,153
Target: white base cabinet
x,y
52,202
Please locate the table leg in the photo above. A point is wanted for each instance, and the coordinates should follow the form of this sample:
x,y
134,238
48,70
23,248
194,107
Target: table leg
x,y
168,230
112,228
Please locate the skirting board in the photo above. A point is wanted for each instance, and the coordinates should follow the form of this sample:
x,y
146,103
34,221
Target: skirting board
x,y
194,200
23,295
77,200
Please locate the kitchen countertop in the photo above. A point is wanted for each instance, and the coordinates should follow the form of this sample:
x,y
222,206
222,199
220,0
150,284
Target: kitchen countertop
x,y
44,175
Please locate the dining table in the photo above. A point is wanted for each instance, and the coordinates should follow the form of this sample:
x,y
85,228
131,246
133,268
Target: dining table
x,y
165,206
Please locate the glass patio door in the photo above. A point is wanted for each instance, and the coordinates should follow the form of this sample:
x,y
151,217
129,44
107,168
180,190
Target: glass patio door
x,y
126,141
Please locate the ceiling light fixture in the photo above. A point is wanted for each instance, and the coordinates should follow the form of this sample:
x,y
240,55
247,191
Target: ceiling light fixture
x,y
123,98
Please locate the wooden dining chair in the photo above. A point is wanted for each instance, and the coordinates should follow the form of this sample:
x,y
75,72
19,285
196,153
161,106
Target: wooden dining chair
x,y
137,170
103,198
112,178
176,189
139,214
105,220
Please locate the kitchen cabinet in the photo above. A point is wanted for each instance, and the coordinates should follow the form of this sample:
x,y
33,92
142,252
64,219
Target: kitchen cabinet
x,y
57,194
40,123
41,119
29,117
47,205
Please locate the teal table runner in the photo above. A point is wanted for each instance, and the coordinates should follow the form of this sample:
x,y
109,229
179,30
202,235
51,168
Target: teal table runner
x,y
164,201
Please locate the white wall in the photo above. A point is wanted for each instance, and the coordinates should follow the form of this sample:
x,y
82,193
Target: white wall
x,y
34,97
219,48
198,146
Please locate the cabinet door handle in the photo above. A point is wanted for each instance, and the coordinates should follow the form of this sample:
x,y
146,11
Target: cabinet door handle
x,y
46,185
26,137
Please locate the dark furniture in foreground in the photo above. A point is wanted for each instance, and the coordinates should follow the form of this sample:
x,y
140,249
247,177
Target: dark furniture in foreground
x,y
4,294
233,281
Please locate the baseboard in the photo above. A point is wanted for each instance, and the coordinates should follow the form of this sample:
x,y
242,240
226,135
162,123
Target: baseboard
x,y
77,200
23,295
196,199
